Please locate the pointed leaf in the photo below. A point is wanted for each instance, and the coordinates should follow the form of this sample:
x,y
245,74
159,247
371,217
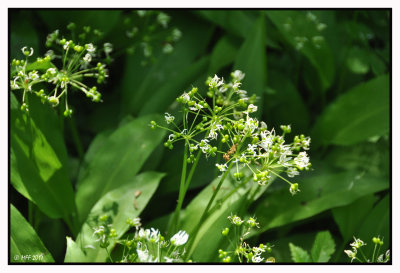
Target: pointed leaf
x,y
323,247
117,161
25,244
298,254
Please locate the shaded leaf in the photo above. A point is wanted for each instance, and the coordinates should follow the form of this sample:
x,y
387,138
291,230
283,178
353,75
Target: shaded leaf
x,y
117,161
223,54
37,167
298,254
323,247
24,242
357,115
318,193
252,59
119,204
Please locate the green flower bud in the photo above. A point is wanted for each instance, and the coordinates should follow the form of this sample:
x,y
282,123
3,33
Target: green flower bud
x,y
225,231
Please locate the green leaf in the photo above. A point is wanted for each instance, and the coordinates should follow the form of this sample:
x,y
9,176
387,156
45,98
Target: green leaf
x,y
252,59
357,115
37,166
74,253
376,224
164,95
25,244
323,247
119,204
349,218
293,24
228,201
298,254
319,192
223,54
117,161
103,20
171,73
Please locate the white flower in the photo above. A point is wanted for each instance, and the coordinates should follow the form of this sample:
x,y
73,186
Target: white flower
x,y
14,84
90,48
108,48
236,85
216,82
24,49
357,243
222,167
235,220
180,238
302,160
66,45
351,254
204,146
52,71
185,97
251,149
257,259
237,75
169,118
252,108
33,75
196,107
87,58
251,124
143,254
292,172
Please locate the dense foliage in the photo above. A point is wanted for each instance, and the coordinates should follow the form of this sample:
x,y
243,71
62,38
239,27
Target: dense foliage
x,y
132,138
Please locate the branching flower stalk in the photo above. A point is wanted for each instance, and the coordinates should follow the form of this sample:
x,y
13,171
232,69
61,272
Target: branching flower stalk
x,y
376,256
223,119
59,71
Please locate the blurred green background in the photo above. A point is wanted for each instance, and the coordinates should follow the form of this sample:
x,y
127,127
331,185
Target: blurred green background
x,y
325,72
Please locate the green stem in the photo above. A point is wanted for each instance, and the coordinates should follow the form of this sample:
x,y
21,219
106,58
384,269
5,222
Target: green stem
x,y
75,137
373,254
175,220
109,256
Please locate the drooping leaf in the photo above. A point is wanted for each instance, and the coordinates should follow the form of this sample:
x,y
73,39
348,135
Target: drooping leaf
x,y
350,217
223,54
252,59
25,244
126,201
318,193
298,254
117,161
303,35
323,247
360,113
38,161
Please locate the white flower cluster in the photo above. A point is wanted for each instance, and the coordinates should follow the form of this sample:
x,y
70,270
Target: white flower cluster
x,y
246,141
75,65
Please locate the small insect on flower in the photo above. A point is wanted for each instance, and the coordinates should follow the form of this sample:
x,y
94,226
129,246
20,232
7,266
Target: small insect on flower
x,y
231,151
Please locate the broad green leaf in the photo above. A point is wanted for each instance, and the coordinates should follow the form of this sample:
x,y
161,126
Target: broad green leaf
x,y
298,254
284,105
223,54
38,167
74,253
117,161
350,217
360,113
228,201
323,247
164,95
357,61
25,244
252,59
126,201
171,73
294,26
319,192
376,224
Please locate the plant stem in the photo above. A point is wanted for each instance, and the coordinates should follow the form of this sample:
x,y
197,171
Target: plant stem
x,y
76,138
175,219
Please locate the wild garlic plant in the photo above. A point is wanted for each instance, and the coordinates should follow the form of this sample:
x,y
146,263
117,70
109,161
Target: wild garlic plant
x,y
65,67
240,251
376,257
222,125
148,31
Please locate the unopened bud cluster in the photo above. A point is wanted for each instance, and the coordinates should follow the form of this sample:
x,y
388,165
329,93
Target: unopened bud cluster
x,y
376,257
